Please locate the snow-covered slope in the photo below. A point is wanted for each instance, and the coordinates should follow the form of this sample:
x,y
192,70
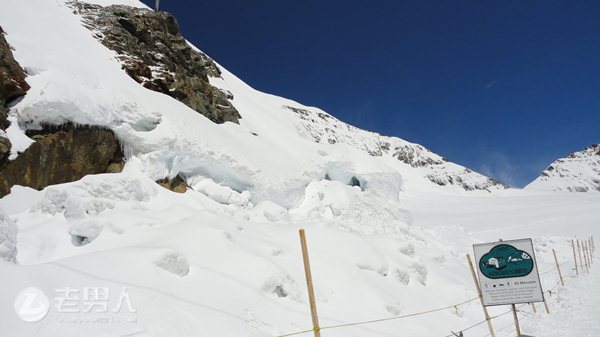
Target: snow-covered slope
x,y
279,147
223,258
578,172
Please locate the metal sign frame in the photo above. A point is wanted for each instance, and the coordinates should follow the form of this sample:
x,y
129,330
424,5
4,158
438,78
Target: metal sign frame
x,y
507,272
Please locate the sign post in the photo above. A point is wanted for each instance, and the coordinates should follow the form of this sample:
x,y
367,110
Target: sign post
x,y
517,327
485,312
508,274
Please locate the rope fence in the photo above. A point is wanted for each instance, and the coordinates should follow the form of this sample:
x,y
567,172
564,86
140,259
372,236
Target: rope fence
x,y
384,319
503,314
457,305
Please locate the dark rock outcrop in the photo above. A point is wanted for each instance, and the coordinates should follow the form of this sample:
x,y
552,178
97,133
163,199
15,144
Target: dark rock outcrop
x,y
153,52
5,146
12,77
413,156
12,86
61,155
176,184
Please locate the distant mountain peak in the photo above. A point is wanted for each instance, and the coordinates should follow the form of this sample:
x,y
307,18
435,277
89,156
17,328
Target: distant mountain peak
x,y
577,172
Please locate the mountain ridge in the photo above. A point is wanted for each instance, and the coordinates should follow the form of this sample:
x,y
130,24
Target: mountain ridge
x,y
579,171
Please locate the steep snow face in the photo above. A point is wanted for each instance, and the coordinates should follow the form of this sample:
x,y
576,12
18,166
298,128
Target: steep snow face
x,y
323,128
578,172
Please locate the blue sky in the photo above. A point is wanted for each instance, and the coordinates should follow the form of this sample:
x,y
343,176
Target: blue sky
x,y
503,87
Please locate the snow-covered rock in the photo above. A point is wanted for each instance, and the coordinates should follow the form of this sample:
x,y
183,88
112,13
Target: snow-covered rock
x,y
577,172
173,262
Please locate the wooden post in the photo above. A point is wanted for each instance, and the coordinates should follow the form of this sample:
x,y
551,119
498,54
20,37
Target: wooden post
x,y
584,248
579,247
587,251
575,258
309,285
558,267
514,311
485,312
581,258
546,306
585,255
533,307
590,251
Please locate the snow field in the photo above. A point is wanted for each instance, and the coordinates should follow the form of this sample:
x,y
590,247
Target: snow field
x,y
237,270
223,259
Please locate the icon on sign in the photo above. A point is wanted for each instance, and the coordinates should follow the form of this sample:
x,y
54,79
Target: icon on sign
x,y
504,261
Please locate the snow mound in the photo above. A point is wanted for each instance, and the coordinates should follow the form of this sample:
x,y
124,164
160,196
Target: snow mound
x,y
84,232
93,195
350,208
8,238
269,211
283,286
219,193
174,263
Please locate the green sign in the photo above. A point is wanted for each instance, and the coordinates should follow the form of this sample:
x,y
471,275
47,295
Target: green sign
x,y
505,261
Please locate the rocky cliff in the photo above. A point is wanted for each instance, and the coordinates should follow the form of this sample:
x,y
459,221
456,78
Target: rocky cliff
x,y
577,172
12,86
153,52
58,154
